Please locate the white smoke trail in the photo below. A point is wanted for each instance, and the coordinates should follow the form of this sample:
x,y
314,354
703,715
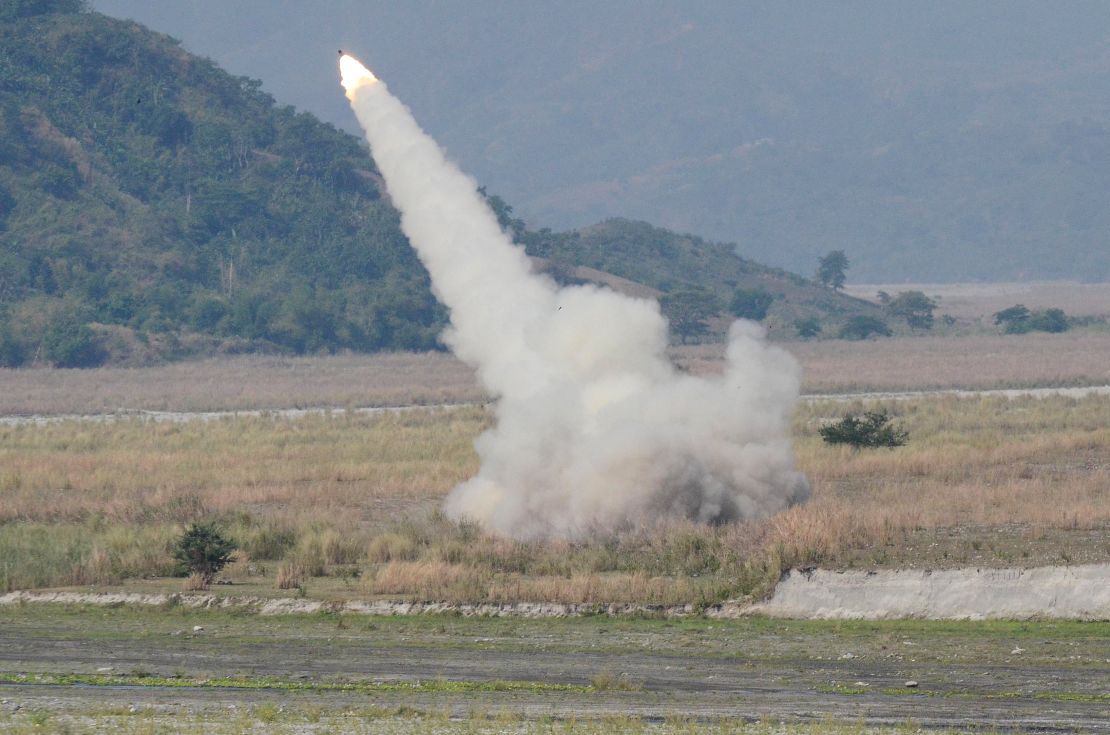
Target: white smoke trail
x,y
596,430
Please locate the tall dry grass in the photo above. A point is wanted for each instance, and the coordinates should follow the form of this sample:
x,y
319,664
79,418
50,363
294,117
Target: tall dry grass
x,y
983,480
241,383
255,382
981,300
929,362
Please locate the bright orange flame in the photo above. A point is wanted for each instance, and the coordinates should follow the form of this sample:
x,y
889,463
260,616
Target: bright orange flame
x,y
354,74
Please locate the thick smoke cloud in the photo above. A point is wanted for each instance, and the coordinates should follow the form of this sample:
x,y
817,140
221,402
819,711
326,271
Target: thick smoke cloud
x,y
596,431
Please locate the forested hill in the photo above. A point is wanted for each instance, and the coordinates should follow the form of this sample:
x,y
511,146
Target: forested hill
x,y
153,206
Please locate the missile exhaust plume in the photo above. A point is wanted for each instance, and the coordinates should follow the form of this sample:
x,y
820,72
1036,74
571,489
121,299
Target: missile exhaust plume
x,y
595,430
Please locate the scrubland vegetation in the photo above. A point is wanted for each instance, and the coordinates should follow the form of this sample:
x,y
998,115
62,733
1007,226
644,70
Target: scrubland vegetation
x,y
346,505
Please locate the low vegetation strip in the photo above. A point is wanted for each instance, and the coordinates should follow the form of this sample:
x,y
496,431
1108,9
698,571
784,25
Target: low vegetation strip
x,y
1077,593
267,682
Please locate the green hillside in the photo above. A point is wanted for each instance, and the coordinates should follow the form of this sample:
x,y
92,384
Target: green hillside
x,y
145,188
155,207
669,262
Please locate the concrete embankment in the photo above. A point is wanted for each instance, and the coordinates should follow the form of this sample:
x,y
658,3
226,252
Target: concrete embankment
x,y
1077,592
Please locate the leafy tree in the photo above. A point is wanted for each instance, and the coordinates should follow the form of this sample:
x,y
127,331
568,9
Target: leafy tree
x,y
1018,319
862,327
831,269
69,343
871,429
750,303
688,310
808,327
203,550
1013,320
13,353
913,306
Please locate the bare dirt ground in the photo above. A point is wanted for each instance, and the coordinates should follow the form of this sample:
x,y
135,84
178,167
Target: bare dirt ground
x,y
1032,676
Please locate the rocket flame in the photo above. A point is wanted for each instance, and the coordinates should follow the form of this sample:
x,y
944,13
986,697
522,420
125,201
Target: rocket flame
x,y
354,74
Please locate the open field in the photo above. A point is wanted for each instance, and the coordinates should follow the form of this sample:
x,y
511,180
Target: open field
x,y
440,674
931,362
345,505
257,382
249,382
979,301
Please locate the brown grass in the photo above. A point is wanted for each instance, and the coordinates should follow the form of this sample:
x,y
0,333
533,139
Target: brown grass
x,y
979,301
927,362
250,383
195,582
984,481
239,383
290,576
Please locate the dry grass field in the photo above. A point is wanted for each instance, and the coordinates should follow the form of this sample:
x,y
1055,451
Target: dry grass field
x,y
256,382
240,383
345,504
979,301
930,362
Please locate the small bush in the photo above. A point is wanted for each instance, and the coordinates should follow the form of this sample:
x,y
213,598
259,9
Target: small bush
x,y
1049,320
808,328
203,550
750,303
862,327
13,353
68,343
872,429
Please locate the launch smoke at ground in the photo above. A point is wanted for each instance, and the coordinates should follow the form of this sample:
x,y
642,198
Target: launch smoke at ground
x,y
596,430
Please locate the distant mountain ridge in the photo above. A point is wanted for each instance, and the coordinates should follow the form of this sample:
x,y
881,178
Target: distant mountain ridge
x,y
932,141
155,207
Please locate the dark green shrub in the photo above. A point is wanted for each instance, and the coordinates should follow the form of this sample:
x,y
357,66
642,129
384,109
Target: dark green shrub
x,y
202,550
1014,320
13,353
1018,319
68,343
808,328
750,303
872,429
862,327
1049,320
